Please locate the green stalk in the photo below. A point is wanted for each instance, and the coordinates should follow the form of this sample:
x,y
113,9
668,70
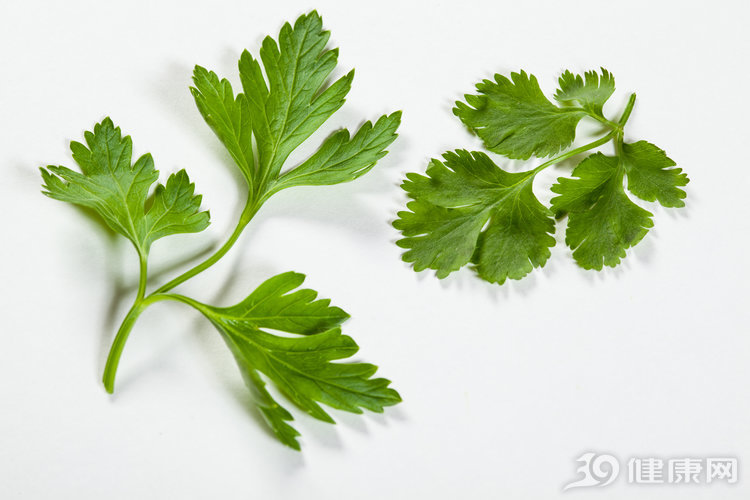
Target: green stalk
x,y
616,134
118,344
113,359
143,276
142,301
248,212
623,120
627,111
210,261
603,120
198,306
582,149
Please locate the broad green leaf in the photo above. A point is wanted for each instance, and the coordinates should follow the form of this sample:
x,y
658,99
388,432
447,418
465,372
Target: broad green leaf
x,y
118,191
589,91
651,176
285,99
301,366
343,159
467,209
602,221
228,116
293,104
515,119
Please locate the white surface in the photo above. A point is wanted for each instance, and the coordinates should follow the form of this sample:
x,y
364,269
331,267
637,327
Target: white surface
x,y
503,386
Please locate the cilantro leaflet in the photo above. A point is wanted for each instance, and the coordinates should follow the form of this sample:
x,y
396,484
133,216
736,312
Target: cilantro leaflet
x,y
468,210
278,115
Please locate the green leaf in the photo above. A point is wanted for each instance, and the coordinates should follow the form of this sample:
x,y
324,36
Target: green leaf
x,y
343,159
590,91
439,238
228,116
467,209
285,99
602,221
274,305
515,119
293,104
118,191
300,366
176,209
517,239
651,176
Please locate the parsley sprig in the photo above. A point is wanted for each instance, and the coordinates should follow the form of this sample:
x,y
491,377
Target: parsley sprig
x,y
468,210
277,112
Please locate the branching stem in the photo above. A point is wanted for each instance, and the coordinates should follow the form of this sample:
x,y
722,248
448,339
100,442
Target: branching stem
x,y
615,134
142,301
247,214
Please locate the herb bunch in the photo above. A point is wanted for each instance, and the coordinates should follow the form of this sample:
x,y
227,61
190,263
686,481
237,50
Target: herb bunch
x,y
277,112
468,210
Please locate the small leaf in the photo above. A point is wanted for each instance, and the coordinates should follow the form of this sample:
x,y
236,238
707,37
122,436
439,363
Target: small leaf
x,y
515,119
469,209
228,116
602,221
275,305
650,176
590,91
440,238
117,190
343,159
176,209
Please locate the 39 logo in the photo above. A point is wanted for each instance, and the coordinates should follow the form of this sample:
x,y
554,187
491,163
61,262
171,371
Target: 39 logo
x,y
596,470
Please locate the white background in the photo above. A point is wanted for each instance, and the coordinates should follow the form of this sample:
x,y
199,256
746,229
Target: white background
x,y
503,387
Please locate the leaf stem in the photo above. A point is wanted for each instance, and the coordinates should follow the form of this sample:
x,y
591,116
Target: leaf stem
x,y
627,111
142,301
582,149
118,344
618,125
113,359
247,214
143,276
623,120
615,134
115,352
603,120
198,306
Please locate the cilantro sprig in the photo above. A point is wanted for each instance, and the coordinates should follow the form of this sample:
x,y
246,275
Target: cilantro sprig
x,y
468,210
277,112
